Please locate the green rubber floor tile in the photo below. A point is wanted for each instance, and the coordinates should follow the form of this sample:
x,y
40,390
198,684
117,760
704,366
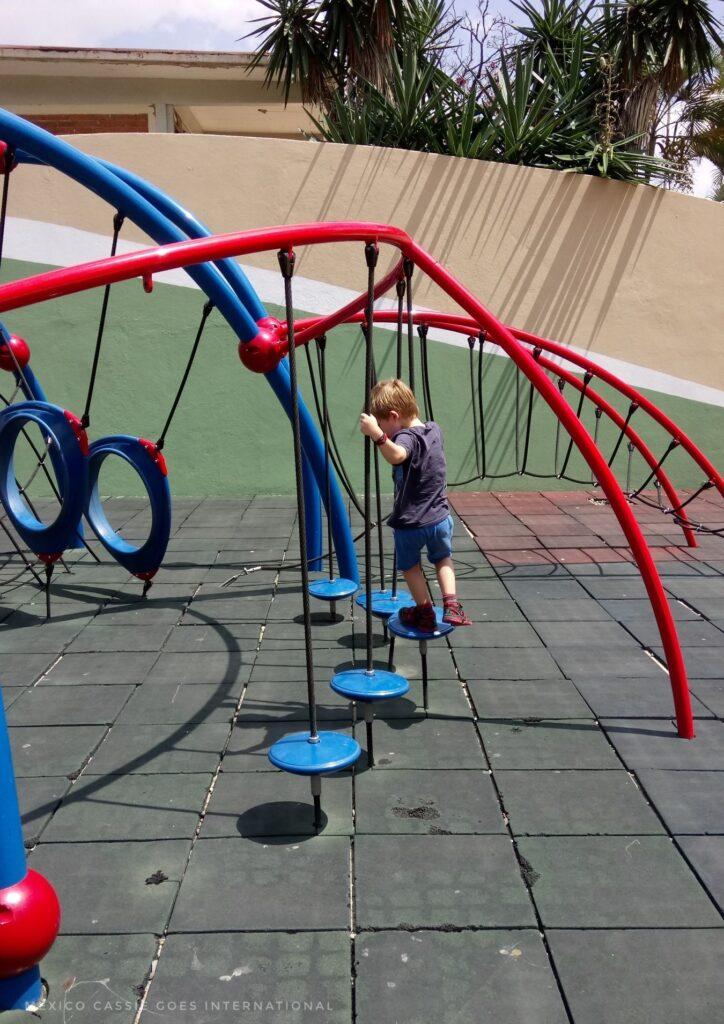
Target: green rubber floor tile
x,y
194,639
576,803
572,612
628,696
101,638
289,664
49,638
248,749
53,749
579,662
428,881
104,669
656,744
268,880
639,976
113,888
427,802
451,978
690,803
621,589
142,613
276,804
23,669
228,668
546,744
527,698
493,610
230,978
710,693
125,807
38,799
577,634
183,702
287,701
165,749
546,588
70,705
10,694
495,634
691,633
501,663
423,743
93,978
706,854
614,882
701,662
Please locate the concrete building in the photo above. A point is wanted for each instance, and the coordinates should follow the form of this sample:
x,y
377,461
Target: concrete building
x,y
76,90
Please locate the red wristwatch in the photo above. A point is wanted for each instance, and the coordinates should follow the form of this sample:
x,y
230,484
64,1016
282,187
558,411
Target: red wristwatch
x,y
381,439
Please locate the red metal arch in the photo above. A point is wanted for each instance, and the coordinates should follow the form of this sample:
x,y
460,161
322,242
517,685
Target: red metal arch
x,y
147,262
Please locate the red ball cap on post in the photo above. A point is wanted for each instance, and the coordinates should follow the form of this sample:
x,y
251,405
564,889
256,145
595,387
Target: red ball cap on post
x,y
264,352
29,923
15,346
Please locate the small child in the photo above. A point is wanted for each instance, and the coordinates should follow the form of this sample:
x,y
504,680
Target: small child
x,y
420,515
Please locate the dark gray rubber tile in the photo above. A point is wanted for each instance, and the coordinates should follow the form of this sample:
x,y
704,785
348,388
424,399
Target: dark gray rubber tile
x,y
53,749
539,588
427,802
493,610
706,853
576,803
250,742
93,978
130,807
433,881
165,749
268,882
49,638
546,744
103,668
689,802
184,702
70,705
497,976
287,702
194,639
500,663
711,694
276,804
630,696
38,799
572,611
656,744
10,694
228,668
636,611
495,634
113,888
640,976
614,882
693,633
578,662
527,698
423,743
583,634
252,979
701,662
142,613
697,589
613,589
23,669
101,638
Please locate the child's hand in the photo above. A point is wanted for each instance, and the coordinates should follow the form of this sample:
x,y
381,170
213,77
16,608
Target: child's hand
x,y
369,425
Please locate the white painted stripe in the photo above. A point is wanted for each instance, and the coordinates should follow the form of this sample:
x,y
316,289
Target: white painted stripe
x,y
58,245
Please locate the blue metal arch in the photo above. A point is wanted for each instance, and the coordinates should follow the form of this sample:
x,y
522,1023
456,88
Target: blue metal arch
x,y
33,144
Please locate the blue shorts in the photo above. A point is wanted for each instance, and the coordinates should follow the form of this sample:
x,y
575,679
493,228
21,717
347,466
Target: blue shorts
x,y
409,543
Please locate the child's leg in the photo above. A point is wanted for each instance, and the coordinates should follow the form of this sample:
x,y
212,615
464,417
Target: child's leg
x,y
415,580
446,576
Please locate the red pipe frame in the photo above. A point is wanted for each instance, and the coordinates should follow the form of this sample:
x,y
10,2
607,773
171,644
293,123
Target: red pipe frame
x,y
147,262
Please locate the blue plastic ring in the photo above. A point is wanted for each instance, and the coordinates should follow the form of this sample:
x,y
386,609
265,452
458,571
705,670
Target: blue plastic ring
x,y
144,560
71,470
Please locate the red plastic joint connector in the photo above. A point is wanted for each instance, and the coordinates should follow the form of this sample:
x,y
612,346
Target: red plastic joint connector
x,y
14,347
50,559
4,165
29,923
264,352
78,430
155,453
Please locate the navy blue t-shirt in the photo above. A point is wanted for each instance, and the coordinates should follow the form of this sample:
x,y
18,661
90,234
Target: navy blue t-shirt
x,y
420,481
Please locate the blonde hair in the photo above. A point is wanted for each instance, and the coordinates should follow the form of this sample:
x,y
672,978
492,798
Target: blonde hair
x,y
393,396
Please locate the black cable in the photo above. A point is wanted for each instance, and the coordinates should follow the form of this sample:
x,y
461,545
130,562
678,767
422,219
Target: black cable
x,y
481,406
529,420
408,266
622,432
321,347
9,160
400,288
85,418
378,497
561,386
206,313
672,445
581,398
286,265
371,254
474,404
426,393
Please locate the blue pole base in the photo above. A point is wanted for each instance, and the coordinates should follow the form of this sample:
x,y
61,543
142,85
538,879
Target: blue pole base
x,y
385,603
22,992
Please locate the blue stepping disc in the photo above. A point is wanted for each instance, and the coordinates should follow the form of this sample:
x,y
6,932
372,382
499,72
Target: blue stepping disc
x,y
333,590
384,603
296,753
359,684
410,633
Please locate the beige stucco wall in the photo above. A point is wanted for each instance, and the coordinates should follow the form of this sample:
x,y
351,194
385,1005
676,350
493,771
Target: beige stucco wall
x,y
630,272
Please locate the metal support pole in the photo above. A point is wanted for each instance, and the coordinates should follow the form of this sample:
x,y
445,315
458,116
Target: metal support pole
x,y
315,782
423,660
369,717
391,655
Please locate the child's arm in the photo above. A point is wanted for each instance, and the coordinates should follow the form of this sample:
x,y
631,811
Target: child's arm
x,y
393,453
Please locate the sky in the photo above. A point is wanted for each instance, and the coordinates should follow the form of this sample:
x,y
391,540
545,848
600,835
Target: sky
x,y
168,24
